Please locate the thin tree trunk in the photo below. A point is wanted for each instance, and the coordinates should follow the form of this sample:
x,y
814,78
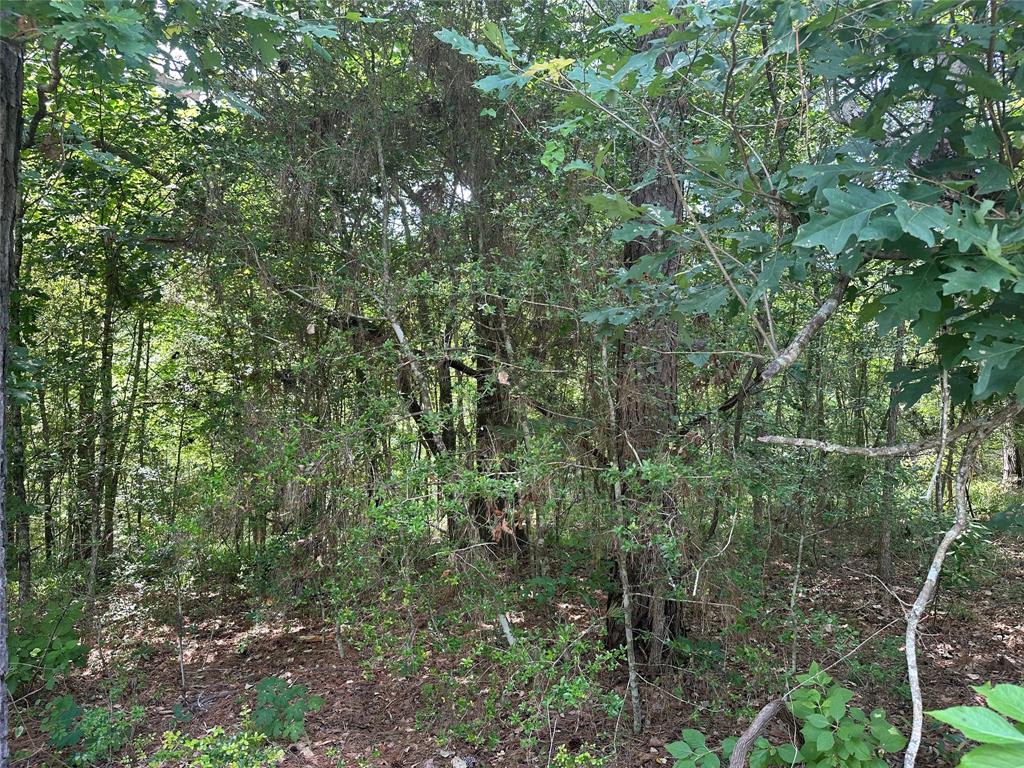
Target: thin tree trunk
x,y
1013,459
106,426
85,459
885,567
16,483
11,87
46,472
123,435
924,597
143,422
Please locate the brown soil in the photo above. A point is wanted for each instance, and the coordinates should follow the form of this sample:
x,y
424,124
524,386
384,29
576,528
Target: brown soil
x,y
370,713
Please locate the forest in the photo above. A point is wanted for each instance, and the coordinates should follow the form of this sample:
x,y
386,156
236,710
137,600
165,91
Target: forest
x,y
478,383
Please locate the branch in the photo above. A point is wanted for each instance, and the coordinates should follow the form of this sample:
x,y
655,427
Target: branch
x,y
983,431
899,449
131,158
799,343
745,743
791,353
42,91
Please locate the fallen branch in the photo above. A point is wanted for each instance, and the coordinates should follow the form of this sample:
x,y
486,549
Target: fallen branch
x,y
746,741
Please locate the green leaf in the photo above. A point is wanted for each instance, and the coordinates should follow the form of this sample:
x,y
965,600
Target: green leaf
x,y
1002,366
921,221
679,749
846,219
615,206
972,276
1005,698
981,141
787,753
913,293
992,177
994,756
694,738
979,723
825,741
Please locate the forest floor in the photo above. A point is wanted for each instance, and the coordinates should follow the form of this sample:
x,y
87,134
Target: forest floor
x,y
373,714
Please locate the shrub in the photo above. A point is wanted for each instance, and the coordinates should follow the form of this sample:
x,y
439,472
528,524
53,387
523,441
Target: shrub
x,y
281,708
97,733
834,734
216,749
44,646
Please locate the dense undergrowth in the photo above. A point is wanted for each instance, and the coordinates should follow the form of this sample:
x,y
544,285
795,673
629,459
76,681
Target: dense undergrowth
x,y
546,692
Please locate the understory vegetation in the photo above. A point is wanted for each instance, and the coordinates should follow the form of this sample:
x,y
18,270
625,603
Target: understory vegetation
x,y
568,384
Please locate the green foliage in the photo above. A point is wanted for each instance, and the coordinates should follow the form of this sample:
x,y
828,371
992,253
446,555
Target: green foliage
x,y
216,749
281,708
961,273
968,555
61,722
835,732
691,751
999,726
583,758
93,735
44,646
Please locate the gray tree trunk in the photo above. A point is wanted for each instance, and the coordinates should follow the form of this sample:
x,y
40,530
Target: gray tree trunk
x,y
11,86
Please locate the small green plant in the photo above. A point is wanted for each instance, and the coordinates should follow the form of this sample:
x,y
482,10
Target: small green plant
x,y
61,722
45,645
691,751
281,708
835,733
1002,741
96,734
584,758
216,749
971,551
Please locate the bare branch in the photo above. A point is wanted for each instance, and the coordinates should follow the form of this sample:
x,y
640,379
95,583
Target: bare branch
x,y
745,743
42,91
928,588
899,449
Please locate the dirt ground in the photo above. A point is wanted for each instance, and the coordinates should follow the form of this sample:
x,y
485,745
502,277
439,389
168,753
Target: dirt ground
x,y
369,718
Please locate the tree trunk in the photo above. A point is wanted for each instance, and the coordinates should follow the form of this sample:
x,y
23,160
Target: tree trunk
x,y
646,416
46,472
495,433
22,512
105,470
86,498
16,470
121,439
11,87
1013,460
885,567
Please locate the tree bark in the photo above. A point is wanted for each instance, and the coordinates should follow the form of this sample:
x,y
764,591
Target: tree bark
x,y
12,64
105,469
85,450
1013,459
646,419
892,417
46,473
